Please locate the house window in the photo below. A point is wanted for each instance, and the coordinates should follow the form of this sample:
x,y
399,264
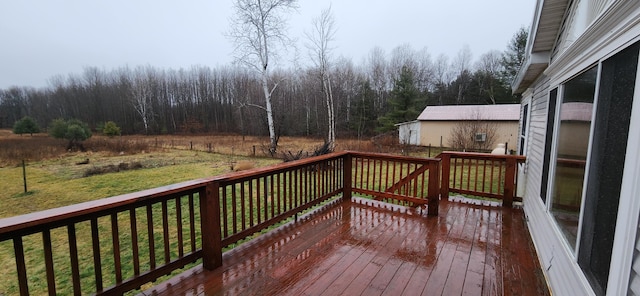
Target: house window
x,y
574,126
606,164
551,116
523,132
584,194
481,137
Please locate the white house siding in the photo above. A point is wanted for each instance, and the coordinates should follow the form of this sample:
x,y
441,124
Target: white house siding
x,y
537,129
597,38
634,282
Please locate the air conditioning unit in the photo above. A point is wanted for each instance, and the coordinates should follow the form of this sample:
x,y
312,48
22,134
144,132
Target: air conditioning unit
x,y
481,137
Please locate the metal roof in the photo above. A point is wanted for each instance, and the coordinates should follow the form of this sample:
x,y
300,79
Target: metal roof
x,y
466,112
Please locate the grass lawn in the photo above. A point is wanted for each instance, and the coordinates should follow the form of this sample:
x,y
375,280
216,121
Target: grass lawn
x,y
59,182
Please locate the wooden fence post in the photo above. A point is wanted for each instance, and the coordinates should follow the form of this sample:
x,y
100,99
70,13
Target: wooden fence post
x,y
210,224
446,171
24,176
509,181
346,177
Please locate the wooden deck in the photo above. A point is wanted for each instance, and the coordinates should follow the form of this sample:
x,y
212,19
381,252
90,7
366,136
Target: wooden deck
x,y
363,247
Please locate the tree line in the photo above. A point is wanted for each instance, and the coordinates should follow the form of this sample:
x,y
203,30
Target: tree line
x,y
367,97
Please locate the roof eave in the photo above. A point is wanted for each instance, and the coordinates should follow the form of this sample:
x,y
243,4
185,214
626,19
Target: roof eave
x,y
547,21
531,69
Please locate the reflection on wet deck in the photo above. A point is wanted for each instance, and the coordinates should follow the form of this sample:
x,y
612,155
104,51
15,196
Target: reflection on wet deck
x,y
363,247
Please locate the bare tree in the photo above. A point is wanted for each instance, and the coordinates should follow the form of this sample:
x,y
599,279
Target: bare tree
x,y
461,66
141,97
442,77
474,133
322,34
377,67
488,69
257,30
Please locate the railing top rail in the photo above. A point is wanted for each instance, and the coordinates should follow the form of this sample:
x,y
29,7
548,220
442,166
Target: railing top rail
x,y
394,157
477,155
276,168
51,216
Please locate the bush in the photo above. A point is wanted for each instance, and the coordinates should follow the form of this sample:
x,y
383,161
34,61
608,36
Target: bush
x,y
26,125
111,129
73,130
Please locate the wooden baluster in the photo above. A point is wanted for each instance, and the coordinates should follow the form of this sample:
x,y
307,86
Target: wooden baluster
x,y
225,227
279,194
48,262
192,224
234,210
165,232
305,176
21,268
386,177
151,238
179,226
268,191
251,221
134,241
484,175
73,255
347,177
243,207
115,237
446,170
509,182
475,183
493,168
433,190
455,172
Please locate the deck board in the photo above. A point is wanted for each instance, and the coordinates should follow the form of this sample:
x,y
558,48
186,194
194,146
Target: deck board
x,y
363,247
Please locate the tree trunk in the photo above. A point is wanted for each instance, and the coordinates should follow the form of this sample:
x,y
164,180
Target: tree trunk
x,y
273,143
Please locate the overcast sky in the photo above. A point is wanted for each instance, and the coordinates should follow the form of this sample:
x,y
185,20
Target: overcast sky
x,y
40,39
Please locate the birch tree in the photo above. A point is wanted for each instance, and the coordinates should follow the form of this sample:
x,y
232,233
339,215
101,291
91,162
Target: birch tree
x,y
141,98
258,29
320,37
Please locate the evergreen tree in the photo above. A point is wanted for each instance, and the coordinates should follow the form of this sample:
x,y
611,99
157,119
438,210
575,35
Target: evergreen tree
x,y
26,125
73,130
405,103
513,57
363,117
111,129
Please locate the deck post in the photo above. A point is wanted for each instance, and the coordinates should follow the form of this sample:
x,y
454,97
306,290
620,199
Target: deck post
x,y
509,181
210,224
434,190
346,176
446,171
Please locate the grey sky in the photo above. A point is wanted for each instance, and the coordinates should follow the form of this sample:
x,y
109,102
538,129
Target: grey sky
x,y
44,38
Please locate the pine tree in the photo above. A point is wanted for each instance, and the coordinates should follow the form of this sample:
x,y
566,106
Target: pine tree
x,y
26,125
405,103
513,57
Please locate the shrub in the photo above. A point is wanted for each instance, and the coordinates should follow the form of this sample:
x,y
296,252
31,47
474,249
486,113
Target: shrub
x,y
111,129
73,130
26,125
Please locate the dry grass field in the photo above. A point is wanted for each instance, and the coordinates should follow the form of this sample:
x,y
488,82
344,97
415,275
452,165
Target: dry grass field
x,y
119,165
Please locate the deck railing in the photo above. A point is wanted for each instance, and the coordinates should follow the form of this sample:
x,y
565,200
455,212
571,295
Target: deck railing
x,y
117,244
481,174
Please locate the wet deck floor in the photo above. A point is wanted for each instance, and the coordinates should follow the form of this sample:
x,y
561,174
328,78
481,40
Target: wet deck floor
x,y
361,247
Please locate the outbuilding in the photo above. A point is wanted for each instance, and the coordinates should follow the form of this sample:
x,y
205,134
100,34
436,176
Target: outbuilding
x,y
436,125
